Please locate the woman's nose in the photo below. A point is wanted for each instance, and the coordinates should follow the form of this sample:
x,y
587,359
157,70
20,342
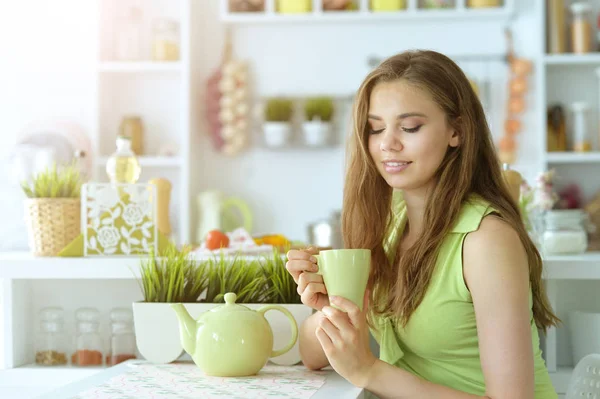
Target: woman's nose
x,y
390,142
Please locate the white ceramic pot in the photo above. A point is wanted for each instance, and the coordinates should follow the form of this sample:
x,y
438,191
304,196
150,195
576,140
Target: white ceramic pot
x,y
157,329
316,133
277,134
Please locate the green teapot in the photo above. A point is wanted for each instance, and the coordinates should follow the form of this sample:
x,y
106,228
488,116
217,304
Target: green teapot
x,y
231,340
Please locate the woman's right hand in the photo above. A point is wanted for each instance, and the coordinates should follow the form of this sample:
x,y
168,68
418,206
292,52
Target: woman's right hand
x,y
302,266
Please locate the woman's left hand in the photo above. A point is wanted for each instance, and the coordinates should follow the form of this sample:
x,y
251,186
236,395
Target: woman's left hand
x,y
344,337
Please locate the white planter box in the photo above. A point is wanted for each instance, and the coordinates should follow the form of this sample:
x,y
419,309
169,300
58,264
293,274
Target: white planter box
x,y
157,329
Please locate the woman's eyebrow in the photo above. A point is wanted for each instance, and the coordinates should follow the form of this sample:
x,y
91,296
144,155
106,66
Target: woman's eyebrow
x,y
401,116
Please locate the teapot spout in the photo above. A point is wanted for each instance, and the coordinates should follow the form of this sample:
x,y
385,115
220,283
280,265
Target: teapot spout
x,y
187,328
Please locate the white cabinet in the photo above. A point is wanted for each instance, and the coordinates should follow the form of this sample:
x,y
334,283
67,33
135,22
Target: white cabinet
x,y
154,86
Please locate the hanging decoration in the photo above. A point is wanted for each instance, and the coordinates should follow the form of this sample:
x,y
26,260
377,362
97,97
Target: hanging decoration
x,y
227,108
519,70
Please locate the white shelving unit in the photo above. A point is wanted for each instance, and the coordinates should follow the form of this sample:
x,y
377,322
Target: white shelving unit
x,y
139,88
363,13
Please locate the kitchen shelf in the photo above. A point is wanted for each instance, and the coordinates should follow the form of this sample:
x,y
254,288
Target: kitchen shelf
x,y
33,374
148,161
572,157
572,59
143,66
364,14
23,265
572,267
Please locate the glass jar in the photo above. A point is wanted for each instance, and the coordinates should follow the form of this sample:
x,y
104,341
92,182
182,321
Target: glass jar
x,y
564,232
131,126
581,133
581,28
165,46
51,344
122,337
88,348
128,36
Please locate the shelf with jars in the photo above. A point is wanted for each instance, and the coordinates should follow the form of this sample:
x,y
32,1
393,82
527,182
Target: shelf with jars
x,y
144,58
269,11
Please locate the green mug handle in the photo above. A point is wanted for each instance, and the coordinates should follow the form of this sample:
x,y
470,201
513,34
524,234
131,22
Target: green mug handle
x,y
264,309
319,271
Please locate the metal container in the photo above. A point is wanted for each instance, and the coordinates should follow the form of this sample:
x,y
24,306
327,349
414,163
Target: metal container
x,y
326,233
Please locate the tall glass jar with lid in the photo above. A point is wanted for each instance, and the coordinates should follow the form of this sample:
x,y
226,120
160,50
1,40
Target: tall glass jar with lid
x,y
51,342
165,41
89,347
581,27
122,337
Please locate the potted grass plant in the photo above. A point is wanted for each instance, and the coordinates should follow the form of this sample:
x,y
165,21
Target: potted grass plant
x,y
318,112
277,127
200,284
53,208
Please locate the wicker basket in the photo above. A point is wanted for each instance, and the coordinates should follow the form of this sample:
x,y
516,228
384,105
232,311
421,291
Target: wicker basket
x,y
52,223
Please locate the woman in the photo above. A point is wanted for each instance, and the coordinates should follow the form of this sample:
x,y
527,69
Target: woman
x,y
455,296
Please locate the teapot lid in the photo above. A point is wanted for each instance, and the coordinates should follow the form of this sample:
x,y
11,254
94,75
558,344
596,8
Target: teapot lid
x,y
230,305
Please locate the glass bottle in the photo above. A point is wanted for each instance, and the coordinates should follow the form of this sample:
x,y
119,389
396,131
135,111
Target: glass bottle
x,y
165,46
581,133
88,347
51,343
564,232
123,165
581,28
128,36
122,338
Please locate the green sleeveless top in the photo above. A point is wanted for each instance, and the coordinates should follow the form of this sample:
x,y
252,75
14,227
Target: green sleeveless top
x,y
440,344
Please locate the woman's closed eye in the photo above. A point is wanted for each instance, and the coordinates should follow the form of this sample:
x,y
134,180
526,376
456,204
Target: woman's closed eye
x,y
412,129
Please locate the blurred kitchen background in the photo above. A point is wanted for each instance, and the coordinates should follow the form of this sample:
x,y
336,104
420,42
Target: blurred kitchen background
x,y
198,83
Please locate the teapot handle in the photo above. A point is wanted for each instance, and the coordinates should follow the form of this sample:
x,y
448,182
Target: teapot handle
x,y
264,309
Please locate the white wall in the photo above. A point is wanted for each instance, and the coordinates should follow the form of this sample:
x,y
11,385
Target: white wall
x,y
49,74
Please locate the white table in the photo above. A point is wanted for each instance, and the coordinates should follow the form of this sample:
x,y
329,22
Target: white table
x,y
334,387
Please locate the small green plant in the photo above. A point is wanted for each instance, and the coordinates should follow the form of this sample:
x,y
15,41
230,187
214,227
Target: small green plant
x,y
54,182
281,287
279,110
318,108
174,277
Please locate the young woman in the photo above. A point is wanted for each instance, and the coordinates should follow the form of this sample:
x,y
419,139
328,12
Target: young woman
x,y
455,296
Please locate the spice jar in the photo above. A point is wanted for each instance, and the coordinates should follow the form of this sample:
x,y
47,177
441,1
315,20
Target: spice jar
x,y
128,36
581,28
89,346
166,40
51,343
581,133
564,232
131,126
122,338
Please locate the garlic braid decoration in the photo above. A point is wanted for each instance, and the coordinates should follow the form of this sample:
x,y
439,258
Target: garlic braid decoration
x,y
234,107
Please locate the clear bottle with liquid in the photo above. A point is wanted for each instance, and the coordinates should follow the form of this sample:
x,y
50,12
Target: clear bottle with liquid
x,y
123,166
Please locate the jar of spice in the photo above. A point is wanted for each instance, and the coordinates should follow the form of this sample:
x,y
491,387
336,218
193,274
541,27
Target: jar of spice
x,y
89,347
51,342
581,28
166,40
132,127
564,232
122,338
581,134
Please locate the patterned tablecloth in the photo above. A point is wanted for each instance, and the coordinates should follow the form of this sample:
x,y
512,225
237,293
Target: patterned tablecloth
x,y
187,381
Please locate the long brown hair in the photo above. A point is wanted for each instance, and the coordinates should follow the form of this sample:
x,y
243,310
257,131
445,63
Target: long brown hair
x,y
399,284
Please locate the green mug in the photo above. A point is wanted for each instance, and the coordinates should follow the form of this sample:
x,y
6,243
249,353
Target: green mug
x,y
345,273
